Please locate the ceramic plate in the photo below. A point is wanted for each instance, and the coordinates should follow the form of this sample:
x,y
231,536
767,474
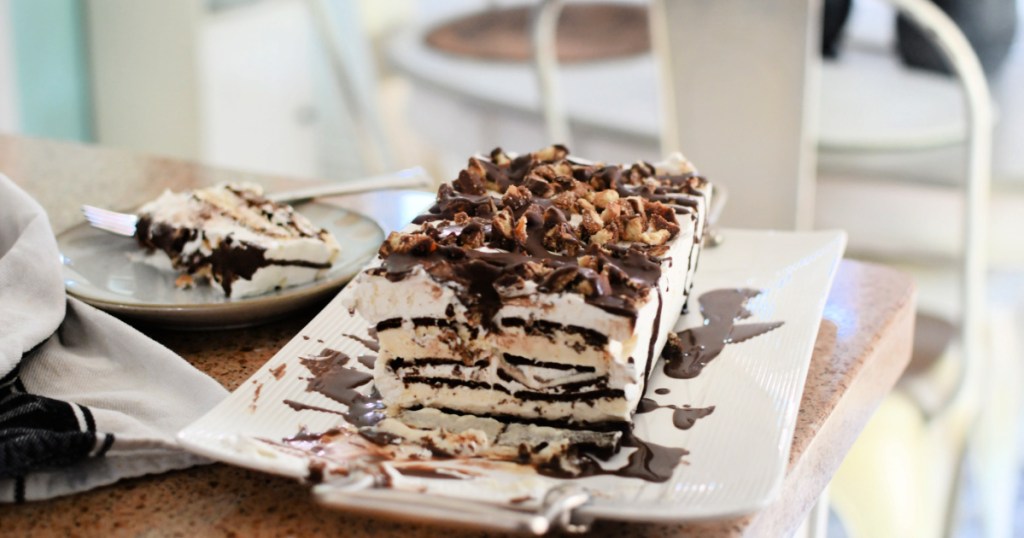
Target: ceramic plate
x,y
106,271
737,454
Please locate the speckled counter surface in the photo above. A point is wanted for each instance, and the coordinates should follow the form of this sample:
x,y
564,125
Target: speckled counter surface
x,y
862,348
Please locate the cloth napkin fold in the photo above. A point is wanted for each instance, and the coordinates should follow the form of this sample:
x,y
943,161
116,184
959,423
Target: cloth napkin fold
x,y
85,400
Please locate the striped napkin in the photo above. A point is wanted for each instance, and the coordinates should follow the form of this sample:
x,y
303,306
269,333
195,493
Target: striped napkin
x,y
85,400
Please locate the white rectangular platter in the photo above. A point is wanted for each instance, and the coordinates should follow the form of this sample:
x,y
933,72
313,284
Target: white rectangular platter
x,y
737,455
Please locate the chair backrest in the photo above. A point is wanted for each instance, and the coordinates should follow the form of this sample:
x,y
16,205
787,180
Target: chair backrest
x,y
738,85
964,63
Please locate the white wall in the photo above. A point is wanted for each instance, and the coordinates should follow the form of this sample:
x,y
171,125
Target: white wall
x,y
256,94
143,57
8,83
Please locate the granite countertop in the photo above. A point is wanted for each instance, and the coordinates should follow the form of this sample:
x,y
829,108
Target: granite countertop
x,y
862,348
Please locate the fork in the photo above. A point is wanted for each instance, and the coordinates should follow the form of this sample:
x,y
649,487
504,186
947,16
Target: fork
x,y
124,223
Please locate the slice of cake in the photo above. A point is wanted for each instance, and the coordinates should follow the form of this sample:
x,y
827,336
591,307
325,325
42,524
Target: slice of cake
x,y
233,236
539,289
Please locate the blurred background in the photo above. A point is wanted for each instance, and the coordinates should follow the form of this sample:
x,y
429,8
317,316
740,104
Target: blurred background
x,y
811,113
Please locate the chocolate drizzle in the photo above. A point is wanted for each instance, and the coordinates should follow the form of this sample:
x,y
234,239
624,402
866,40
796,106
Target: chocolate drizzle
x,y
424,471
278,371
299,406
598,231
333,379
688,352
654,340
372,345
649,461
682,417
367,360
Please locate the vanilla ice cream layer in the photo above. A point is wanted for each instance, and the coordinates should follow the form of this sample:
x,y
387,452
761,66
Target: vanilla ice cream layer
x,y
454,342
485,402
273,277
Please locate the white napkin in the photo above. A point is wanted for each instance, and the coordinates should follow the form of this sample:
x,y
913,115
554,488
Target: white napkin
x,y
85,400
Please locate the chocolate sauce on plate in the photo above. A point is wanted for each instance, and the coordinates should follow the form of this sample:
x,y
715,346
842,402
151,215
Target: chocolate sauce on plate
x,y
367,360
299,406
692,350
423,471
372,345
682,417
650,461
278,371
332,378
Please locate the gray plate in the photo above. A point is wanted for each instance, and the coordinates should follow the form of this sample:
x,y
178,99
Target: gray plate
x,y
104,270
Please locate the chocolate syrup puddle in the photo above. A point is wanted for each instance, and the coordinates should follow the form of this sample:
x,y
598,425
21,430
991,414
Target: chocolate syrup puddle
x,y
646,405
367,360
650,348
686,417
372,345
687,354
299,406
427,472
650,461
682,417
278,371
336,381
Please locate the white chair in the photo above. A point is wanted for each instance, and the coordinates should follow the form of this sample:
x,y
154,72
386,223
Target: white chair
x,y
931,409
902,477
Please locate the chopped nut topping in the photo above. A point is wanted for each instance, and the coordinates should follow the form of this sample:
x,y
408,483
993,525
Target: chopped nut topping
x,y
560,279
659,223
634,229
589,261
469,184
472,236
605,198
605,229
519,233
516,197
535,271
592,222
499,157
585,287
602,237
417,244
565,200
555,152
502,224
611,213
656,237
538,185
